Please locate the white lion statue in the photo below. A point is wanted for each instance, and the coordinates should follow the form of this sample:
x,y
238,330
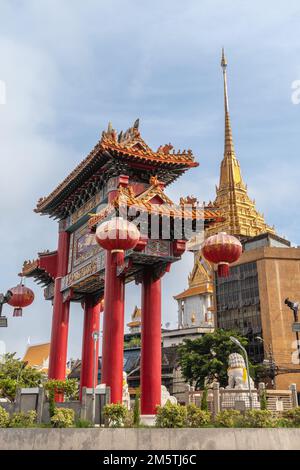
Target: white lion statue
x,y
165,396
237,372
126,395
238,380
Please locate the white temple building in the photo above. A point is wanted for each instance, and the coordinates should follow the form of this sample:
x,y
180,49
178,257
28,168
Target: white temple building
x,y
195,304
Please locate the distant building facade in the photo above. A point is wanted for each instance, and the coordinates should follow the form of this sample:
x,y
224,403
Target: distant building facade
x,y
251,300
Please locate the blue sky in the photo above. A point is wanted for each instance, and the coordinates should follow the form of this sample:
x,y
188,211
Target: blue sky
x,y
71,66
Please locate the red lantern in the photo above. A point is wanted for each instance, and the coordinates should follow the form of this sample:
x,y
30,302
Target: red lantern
x,y
22,297
117,235
222,249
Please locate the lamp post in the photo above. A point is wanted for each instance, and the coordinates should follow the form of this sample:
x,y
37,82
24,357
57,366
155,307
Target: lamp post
x,y
236,341
95,336
4,298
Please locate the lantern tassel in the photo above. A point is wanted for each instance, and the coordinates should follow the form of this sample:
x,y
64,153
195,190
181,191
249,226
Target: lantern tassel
x,y
17,312
223,269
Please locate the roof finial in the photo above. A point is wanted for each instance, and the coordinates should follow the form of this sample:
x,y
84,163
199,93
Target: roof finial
x,y
228,147
223,59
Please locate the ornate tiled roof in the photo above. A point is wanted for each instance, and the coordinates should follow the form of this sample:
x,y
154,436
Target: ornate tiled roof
x,y
42,269
191,291
37,356
126,198
129,147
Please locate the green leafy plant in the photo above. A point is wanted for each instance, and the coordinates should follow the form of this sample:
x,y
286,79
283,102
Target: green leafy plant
x,y
63,418
68,388
171,416
83,423
23,419
115,414
15,373
8,388
128,421
283,423
263,400
258,419
196,417
292,416
136,410
227,419
133,343
4,418
204,402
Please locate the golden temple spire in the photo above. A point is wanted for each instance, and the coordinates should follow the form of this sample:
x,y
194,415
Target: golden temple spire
x,y
228,147
230,168
239,211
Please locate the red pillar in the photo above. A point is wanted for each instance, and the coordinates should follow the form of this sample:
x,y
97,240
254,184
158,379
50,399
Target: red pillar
x,y
113,328
60,318
151,344
91,323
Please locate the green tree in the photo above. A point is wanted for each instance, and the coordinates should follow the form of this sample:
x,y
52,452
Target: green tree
x,y
15,373
206,358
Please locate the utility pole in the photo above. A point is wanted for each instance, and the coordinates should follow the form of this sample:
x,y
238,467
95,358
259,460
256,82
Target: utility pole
x,y
294,306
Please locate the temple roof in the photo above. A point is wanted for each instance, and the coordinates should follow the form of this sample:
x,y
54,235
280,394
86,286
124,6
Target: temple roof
x,y
135,318
126,198
241,218
200,279
197,290
42,269
37,356
126,148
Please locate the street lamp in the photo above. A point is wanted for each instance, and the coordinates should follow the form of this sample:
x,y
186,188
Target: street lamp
x,y
4,298
237,343
269,362
95,336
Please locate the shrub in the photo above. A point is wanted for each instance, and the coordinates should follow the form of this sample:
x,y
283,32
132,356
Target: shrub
x,y
227,419
204,403
293,416
128,421
171,416
63,418
136,410
263,401
68,388
258,419
83,423
23,419
4,418
283,423
115,414
8,388
196,417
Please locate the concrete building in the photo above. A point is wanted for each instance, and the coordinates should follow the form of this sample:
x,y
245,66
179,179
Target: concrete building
x,y
251,300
